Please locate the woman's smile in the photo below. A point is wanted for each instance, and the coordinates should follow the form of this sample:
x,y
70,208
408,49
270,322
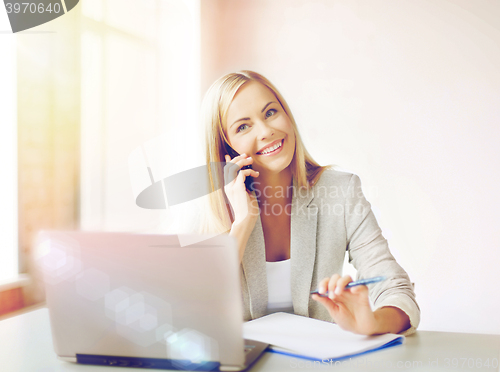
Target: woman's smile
x,y
272,150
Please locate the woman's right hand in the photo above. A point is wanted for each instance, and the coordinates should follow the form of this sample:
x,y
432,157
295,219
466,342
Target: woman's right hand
x,y
244,204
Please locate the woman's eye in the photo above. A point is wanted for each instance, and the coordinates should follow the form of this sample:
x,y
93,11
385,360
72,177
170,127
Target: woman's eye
x,y
239,128
271,112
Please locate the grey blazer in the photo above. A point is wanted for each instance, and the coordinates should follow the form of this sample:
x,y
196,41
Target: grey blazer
x,y
329,219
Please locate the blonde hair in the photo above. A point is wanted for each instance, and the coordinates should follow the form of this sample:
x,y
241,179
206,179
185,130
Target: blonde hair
x,y
214,109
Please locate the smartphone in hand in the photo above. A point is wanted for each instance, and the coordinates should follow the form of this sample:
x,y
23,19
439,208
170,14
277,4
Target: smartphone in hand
x,y
248,180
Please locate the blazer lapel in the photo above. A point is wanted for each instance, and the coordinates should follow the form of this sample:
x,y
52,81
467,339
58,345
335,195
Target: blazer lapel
x,y
303,247
254,268
302,253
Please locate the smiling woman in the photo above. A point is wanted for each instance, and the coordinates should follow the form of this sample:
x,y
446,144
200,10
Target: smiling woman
x,y
293,242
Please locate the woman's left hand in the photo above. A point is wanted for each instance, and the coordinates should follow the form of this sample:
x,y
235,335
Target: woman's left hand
x,y
349,308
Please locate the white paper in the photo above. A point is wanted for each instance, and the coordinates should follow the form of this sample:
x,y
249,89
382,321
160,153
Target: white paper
x,y
310,337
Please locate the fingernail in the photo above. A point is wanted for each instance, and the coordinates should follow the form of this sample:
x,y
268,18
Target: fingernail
x,y
330,295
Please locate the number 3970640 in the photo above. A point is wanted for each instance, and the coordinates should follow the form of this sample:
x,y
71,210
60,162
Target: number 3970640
x,y
33,8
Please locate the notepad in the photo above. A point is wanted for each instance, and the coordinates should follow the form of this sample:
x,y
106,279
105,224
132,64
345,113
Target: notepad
x,y
313,339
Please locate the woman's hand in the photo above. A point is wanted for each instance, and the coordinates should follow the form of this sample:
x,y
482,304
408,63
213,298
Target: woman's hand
x,y
244,204
349,308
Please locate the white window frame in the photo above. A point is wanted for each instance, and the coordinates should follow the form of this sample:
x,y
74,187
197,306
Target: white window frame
x,y
9,233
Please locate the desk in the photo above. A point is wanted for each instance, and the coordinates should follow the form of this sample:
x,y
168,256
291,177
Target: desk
x,y
26,346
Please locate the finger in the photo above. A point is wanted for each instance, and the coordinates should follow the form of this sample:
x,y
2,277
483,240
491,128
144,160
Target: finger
x,y
323,285
359,289
230,172
235,164
341,283
228,158
242,175
243,162
250,172
236,159
239,157
247,172
332,284
330,305
323,300
318,298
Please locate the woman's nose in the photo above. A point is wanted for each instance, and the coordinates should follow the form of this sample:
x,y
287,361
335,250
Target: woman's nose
x,y
265,130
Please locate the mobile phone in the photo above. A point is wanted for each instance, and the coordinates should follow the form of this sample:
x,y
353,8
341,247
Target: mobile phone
x,y
249,179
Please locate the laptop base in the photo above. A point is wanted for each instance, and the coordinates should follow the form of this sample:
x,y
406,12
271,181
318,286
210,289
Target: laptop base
x,y
253,349
152,363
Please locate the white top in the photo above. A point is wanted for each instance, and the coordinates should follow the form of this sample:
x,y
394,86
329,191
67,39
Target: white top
x,y
279,286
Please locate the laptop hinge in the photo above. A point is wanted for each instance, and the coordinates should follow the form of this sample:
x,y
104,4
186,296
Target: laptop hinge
x,y
67,359
230,368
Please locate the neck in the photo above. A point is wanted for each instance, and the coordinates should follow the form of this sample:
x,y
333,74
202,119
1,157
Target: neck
x,y
275,187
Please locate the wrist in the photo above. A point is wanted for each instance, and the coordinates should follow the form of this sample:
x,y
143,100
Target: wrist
x,y
241,231
390,319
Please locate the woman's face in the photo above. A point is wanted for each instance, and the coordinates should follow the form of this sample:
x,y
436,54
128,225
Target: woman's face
x,y
255,122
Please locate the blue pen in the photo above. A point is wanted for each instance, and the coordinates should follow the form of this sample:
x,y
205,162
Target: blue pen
x,y
358,282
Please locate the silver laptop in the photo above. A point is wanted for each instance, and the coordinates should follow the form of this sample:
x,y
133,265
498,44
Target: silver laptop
x,y
121,299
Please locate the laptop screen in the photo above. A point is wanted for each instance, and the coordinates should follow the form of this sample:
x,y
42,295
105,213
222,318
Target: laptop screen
x,y
143,296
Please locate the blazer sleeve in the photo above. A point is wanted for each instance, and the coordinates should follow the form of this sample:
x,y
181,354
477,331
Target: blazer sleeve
x,y
369,253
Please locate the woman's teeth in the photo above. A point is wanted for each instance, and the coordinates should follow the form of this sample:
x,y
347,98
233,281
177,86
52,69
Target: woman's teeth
x,y
272,148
